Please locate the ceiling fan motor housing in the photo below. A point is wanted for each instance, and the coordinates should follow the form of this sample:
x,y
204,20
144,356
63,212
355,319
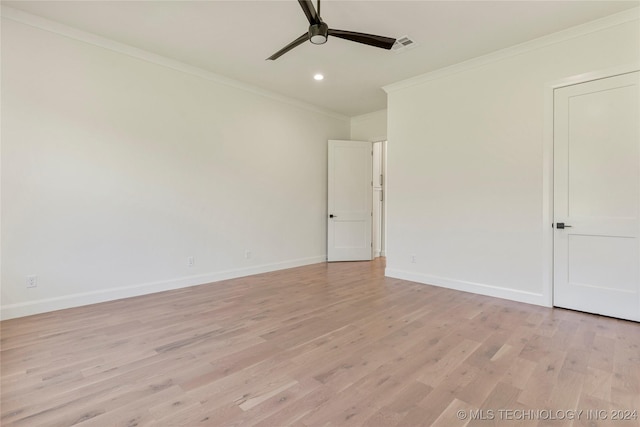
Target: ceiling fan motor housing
x,y
318,33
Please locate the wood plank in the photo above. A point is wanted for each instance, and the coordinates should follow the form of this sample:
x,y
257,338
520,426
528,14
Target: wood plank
x,y
326,344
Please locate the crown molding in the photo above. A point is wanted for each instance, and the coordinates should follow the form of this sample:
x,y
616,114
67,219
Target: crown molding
x,y
619,18
125,49
367,116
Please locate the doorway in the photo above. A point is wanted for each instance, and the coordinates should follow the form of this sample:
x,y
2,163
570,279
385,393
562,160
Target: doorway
x,y
379,194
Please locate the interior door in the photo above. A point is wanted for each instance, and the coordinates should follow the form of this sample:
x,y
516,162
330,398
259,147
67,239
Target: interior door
x,y
349,201
597,196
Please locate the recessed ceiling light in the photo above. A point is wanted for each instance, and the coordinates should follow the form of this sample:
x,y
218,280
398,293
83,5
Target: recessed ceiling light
x,y
318,77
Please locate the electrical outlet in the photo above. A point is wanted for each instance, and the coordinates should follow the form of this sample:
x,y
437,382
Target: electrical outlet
x,y
191,261
247,254
413,259
32,281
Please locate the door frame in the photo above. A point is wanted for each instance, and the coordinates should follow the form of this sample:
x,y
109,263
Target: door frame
x,y
547,166
382,229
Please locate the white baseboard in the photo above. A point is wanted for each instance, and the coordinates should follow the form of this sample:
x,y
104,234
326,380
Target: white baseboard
x,y
476,288
11,311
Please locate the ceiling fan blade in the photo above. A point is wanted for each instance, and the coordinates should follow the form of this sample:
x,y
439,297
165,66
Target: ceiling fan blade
x,y
297,42
370,39
310,11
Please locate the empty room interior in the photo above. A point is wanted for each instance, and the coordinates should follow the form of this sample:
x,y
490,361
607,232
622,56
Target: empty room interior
x,y
320,213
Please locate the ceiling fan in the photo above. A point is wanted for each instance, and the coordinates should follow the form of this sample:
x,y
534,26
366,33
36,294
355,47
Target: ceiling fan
x,y
319,32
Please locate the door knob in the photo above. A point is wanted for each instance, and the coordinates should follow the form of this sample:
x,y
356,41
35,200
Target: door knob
x,y
332,216
562,225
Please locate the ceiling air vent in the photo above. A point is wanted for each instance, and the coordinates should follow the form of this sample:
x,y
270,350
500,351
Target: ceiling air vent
x,y
403,43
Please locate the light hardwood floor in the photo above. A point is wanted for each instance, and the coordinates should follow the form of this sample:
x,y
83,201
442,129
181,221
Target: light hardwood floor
x,y
328,344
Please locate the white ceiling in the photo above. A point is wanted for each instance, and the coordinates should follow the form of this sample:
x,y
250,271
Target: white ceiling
x,y
233,38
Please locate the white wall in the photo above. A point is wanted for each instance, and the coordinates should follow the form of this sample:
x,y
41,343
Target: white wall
x,y
369,127
116,169
465,162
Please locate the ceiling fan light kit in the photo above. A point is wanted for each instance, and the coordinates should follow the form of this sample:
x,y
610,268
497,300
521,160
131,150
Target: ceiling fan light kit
x,y
319,32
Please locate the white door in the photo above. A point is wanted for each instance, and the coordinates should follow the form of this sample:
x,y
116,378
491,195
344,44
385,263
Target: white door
x,y
597,196
349,201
